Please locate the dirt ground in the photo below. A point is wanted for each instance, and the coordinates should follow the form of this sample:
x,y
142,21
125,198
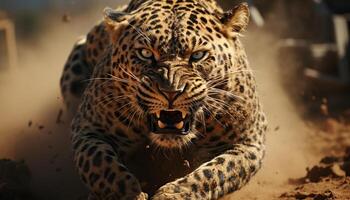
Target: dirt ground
x,y
32,128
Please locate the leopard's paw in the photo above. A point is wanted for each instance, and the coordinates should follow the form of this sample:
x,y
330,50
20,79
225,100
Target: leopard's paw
x,y
171,191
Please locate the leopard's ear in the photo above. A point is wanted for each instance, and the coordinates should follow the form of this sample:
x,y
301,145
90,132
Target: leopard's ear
x,y
113,17
236,20
114,20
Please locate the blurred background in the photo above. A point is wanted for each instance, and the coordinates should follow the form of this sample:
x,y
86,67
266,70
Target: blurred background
x,y
299,51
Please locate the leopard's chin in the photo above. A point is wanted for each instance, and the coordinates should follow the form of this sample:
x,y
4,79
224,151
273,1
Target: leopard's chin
x,y
171,141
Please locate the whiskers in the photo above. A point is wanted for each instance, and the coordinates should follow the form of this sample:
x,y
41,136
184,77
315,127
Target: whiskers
x,y
110,93
111,77
129,73
220,101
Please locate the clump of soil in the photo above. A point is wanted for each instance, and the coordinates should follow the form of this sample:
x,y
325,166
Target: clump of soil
x,y
330,179
325,189
14,181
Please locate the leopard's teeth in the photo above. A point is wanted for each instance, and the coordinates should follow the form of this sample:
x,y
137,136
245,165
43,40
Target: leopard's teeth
x,y
184,114
161,124
158,114
179,125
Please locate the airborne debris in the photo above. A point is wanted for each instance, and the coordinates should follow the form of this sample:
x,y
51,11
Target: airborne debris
x,y
277,128
59,117
187,163
324,109
66,18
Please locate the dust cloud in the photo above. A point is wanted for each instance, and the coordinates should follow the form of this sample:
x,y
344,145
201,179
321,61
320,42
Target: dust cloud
x,y
288,139
30,103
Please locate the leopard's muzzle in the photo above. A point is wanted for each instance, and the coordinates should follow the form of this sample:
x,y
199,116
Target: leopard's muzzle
x,y
174,122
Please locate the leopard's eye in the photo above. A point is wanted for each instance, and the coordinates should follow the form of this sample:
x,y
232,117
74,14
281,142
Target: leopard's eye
x,y
197,56
145,54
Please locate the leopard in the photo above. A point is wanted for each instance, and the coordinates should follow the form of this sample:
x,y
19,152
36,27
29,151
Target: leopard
x,y
170,77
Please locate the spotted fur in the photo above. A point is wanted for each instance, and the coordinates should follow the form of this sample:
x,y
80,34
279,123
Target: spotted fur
x,y
113,92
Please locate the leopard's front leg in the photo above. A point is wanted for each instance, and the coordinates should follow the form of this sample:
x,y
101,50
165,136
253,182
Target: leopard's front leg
x,y
102,171
224,174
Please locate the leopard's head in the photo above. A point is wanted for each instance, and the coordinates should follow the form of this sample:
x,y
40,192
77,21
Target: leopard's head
x,y
170,63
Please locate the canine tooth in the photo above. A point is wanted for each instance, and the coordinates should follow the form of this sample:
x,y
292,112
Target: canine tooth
x,y
158,114
161,124
183,114
179,125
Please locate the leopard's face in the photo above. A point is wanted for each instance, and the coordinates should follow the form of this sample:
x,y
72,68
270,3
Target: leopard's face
x,y
171,66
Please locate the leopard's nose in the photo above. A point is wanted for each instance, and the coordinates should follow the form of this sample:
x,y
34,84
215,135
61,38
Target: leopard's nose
x,y
171,93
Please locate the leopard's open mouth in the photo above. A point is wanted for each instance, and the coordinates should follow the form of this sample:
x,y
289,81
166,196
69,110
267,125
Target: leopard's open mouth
x,y
170,122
